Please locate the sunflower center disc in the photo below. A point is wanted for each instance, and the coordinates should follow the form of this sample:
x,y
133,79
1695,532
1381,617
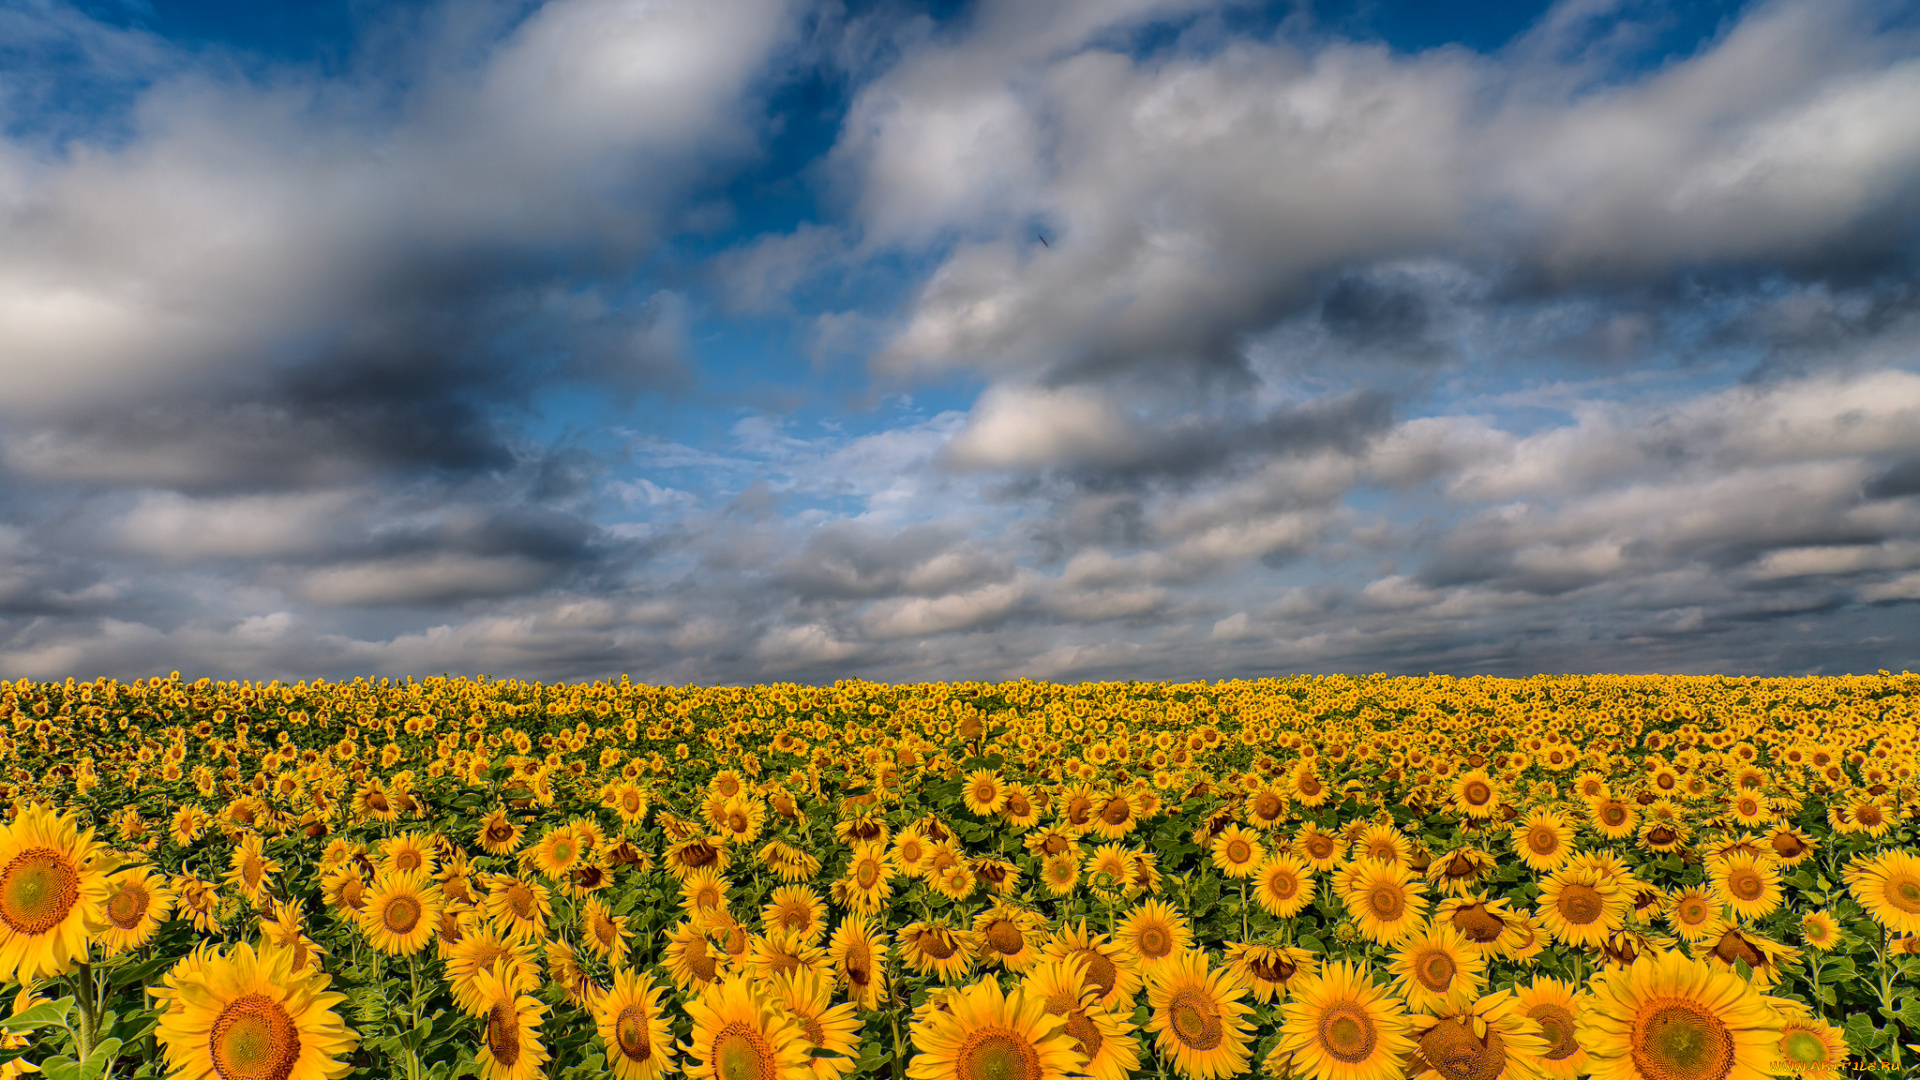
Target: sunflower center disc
x,y
1904,893
1347,1033
503,1033
253,1038
630,1033
1267,807
1155,942
934,944
1283,884
996,1054
520,900
1386,901
704,966
1556,1023
1116,812
1733,946
1580,904
869,873
1319,846
1681,1040
1100,972
128,906
1803,1048
1746,884
739,1054
1238,851
1542,840
37,889
401,914
1435,971
1478,794
859,966
1004,937
1455,1054
1085,1031
1196,1018
1309,786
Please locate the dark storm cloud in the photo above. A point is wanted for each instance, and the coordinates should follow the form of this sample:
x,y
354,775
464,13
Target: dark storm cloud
x,y
1898,480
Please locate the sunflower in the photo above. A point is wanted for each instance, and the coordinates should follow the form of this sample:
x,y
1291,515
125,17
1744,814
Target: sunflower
x,y
1612,818
697,853
1672,1017
604,933
911,850
691,959
137,903
1020,810
955,882
1475,795
1108,868
1284,884
558,851
984,792
1304,785
630,802
401,913
1003,877
249,868
1379,841
1270,969
1320,848
831,1032
1106,1040
510,1047
1725,946
738,1032
1819,930
1052,840
408,851
1810,1048
634,1028
519,908
1340,1025
1237,852
479,952
1691,911
1747,885
53,891
941,951
775,954
1486,1039
1199,1018
1061,872
1555,1007
1460,871
1791,846
283,928
796,910
1436,970
1010,935
344,888
856,953
1579,906
1266,807
742,819
1388,902
1887,885
247,1012
703,890
1114,815
1155,932
1543,839
187,825
981,1033
1110,969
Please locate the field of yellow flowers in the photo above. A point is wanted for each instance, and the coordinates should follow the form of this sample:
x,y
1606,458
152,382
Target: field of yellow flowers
x,y
1335,878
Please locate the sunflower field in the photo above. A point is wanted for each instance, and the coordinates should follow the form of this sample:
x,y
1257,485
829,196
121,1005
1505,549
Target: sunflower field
x,y
1331,878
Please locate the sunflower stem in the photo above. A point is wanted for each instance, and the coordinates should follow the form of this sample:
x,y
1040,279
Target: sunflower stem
x,y
83,992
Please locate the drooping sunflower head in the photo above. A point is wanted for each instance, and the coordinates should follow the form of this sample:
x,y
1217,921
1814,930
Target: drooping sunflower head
x,y
857,952
1555,1007
1490,1038
1270,969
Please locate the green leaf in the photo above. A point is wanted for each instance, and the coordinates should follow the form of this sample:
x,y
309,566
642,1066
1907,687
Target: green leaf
x,y
42,1015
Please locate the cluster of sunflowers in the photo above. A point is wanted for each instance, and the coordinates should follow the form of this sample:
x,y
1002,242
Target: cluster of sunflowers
x,y
1329,878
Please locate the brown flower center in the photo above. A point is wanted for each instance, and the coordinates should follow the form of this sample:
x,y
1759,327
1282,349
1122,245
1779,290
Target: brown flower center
x,y
253,1038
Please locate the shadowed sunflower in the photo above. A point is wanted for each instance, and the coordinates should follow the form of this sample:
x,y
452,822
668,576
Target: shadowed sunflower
x,y
53,890
633,1028
604,933
1270,969
739,1033
510,1044
1810,1048
831,1032
776,954
401,913
1156,933
1747,884
1887,885
247,1013
795,910
1579,906
1110,969
940,951
1675,1018
1387,902
1436,971
1011,935
1459,871
1819,930
980,1033
137,902
1284,884
856,953
1555,1007
477,953
1726,945
1340,1025
1199,1018
1108,1042
1487,1039
249,869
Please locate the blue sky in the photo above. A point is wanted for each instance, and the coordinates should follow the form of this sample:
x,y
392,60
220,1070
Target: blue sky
x,y
761,340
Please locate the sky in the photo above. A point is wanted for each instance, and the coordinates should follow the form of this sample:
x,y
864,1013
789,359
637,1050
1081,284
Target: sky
x,y
745,341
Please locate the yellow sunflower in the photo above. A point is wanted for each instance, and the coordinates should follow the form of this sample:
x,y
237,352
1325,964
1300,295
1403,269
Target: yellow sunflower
x,y
1111,969
249,869
1580,906
1819,930
831,1032
137,902
703,890
1283,884
1010,935
1691,911
782,954
1555,1007
247,1012
1748,885
1486,1039
856,953
1475,795
1320,848
604,933
1436,971
1340,1025
518,908
985,792
692,961
1270,969
981,1033
1108,1042
408,851
634,1028
940,951
1199,1019
1810,1048
1613,819
869,879
510,1046
557,852
1887,885
476,954
1155,932
1388,902
1061,872
1543,839
738,1032
796,910
53,891
1305,787
401,914
1726,945
1237,852
1676,1018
